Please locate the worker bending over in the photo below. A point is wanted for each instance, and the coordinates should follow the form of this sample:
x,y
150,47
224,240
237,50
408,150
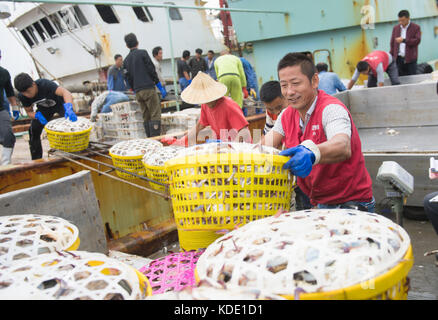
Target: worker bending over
x,y
374,65
229,71
49,99
323,142
222,114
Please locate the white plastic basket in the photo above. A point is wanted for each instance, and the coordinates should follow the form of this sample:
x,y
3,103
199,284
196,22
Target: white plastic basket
x,y
124,107
129,116
126,134
135,125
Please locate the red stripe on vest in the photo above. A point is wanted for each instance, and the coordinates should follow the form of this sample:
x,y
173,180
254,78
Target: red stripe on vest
x,y
375,58
334,183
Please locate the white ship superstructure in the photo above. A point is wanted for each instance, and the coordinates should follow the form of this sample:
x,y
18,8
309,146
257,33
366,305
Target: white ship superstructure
x,y
77,43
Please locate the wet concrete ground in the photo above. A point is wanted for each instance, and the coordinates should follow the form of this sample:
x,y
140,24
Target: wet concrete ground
x,y
424,273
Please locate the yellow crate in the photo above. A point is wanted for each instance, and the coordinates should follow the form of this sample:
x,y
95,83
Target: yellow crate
x,y
69,141
392,285
132,164
241,188
157,173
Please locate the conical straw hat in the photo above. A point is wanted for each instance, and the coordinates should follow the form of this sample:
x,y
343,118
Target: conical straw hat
x,y
203,89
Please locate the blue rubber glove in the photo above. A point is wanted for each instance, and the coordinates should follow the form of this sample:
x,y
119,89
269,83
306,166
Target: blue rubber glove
x,y
162,90
190,81
39,116
16,114
69,113
212,141
301,162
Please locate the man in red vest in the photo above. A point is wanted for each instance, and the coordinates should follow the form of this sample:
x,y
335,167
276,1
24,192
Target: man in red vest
x,y
321,138
405,38
374,65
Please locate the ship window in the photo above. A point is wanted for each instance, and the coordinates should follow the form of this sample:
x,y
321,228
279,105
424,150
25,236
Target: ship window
x,y
106,13
27,38
57,23
68,19
143,14
31,31
49,28
79,15
43,33
174,12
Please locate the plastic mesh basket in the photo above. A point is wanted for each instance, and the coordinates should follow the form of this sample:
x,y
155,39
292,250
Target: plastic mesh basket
x,y
69,141
173,272
76,275
212,192
156,173
314,254
132,162
29,235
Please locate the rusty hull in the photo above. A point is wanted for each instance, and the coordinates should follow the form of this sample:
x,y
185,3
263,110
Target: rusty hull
x,y
135,221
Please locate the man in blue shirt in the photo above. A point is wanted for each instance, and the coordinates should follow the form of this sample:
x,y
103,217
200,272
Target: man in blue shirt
x,y
116,78
252,85
329,81
210,59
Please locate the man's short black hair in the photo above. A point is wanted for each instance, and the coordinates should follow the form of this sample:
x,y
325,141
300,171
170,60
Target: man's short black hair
x,y
198,51
22,82
156,50
131,40
186,54
117,56
322,67
362,66
296,58
211,51
270,91
404,13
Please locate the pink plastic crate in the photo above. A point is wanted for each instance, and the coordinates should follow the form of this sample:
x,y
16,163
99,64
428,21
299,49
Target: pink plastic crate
x,y
173,272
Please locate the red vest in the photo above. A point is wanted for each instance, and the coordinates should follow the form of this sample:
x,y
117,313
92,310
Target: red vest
x,y
334,183
375,58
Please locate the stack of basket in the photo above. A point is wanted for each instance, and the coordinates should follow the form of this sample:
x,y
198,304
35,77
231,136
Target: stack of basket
x,y
179,121
125,122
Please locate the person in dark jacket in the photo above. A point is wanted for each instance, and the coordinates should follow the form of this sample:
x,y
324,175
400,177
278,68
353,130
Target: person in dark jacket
x,y
49,99
405,39
197,63
142,77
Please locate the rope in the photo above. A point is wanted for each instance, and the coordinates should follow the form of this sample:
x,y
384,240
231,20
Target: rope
x,y
115,178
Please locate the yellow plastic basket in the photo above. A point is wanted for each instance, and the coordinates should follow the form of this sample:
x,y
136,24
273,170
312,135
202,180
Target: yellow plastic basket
x,y
69,141
156,173
132,164
221,191
392,285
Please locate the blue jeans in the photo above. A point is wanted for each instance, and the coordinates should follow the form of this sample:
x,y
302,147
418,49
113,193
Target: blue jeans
x,y
184,83
113,97
363,206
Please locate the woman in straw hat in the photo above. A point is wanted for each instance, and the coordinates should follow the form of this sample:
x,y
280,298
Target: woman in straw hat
x,y
222,114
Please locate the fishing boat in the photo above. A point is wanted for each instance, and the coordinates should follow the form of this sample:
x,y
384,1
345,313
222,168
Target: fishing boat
x,y
77,43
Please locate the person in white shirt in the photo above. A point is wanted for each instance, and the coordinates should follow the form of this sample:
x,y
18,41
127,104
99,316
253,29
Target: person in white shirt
x,y
405,38
157,57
